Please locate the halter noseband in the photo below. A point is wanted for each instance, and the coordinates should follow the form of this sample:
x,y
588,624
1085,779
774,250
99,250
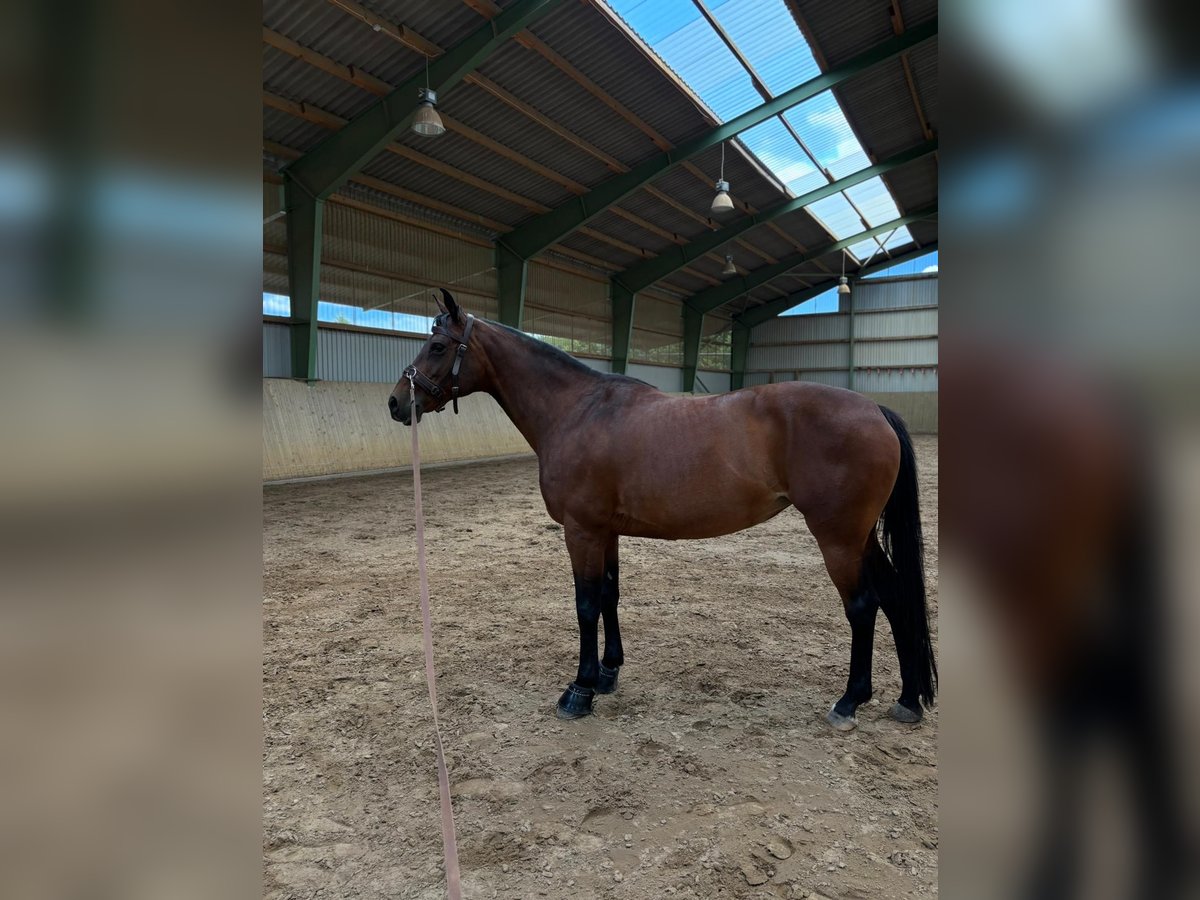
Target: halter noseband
x,y
425,383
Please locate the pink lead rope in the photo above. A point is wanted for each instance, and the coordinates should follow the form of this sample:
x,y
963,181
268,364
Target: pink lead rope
x,y
449,844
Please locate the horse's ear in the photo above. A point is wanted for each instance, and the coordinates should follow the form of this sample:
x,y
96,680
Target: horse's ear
x,y
438,300
452,307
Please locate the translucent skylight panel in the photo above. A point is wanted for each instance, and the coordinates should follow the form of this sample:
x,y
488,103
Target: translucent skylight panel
x,y
839,217
873,199
677,32
823,128
864,248
899,239
778,151
768,37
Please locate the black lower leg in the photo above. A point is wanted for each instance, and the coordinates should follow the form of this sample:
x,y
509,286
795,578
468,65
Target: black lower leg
x,y
577,699
906,653
614,655
860,612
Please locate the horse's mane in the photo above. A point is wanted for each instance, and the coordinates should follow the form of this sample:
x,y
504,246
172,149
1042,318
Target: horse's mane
x,y
553,354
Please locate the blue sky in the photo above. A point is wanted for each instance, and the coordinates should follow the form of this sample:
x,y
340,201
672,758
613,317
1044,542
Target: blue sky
x,y
278,305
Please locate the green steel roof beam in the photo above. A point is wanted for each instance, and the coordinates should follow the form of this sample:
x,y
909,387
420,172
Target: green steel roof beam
x,y
707,300
548,228
643,274
760,314
330,163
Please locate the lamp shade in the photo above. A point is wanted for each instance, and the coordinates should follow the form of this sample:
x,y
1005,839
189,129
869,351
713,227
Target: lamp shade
x,y
722,203
843,285
426,120
730,268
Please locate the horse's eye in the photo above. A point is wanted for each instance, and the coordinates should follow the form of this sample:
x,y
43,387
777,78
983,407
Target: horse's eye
x,y
436,349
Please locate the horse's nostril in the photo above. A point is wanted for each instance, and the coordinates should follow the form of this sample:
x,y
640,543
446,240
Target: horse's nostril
x,y
393,403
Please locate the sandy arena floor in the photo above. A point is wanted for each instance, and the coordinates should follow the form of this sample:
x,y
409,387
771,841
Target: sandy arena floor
x,y
710,773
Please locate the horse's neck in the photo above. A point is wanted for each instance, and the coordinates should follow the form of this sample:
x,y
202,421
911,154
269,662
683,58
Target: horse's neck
x,y
534,389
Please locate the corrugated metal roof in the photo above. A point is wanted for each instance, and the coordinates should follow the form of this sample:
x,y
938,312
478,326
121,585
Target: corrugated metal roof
x,y
916,184
323,27
297,80
842,29
646,205
615,257
290,131
624,71
801,226
923,63
630,232
534,80
444,22
480,110
465,155
882,110
415,177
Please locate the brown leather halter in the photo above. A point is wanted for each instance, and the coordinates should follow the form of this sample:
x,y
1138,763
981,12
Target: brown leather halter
x,y
425,383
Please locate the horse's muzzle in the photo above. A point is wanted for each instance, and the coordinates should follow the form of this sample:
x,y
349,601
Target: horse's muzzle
x,y
401,412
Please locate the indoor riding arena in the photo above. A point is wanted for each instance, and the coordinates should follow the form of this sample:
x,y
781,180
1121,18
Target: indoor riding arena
x,y
734,203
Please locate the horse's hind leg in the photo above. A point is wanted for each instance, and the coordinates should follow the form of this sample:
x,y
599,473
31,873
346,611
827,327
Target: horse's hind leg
x,y
845,557
610,594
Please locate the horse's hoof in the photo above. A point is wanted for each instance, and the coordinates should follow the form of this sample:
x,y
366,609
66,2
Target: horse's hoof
x,y
902,713
607,682
576,702
840,722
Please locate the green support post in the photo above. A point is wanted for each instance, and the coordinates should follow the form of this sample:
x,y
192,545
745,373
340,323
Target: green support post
x,y
693,327
511,274
622,325
850,346
739,355
304,216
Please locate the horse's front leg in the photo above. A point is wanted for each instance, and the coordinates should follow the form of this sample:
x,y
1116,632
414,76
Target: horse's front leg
x,y
587,551
610,594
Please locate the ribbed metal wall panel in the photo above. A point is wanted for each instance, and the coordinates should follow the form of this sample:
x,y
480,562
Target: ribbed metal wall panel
x,y
904,323
362,356
665,378
792,357
716,382
895,349
896,353
893,381
277,350
872,294
801,328
600,365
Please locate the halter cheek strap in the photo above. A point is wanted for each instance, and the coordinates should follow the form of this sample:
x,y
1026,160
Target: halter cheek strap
x,y
458,358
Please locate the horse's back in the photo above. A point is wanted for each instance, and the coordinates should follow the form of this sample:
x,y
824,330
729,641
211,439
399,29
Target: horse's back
x,y
664,465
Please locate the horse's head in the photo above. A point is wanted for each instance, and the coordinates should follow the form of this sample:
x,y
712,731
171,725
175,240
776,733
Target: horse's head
x,y
441,371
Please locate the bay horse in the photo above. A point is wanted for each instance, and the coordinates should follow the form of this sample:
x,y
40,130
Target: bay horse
x,y
617,456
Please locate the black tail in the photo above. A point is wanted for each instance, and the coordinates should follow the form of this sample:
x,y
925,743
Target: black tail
x,y
902,541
